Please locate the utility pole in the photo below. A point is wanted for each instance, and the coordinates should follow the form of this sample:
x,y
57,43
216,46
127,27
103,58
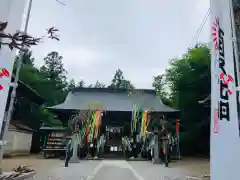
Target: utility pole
x,y
14,89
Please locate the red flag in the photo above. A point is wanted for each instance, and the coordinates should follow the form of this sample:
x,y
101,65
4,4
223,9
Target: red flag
x,y
148,116
177,127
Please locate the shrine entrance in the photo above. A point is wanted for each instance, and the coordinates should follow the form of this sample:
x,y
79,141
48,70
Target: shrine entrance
x,y
113,140
116,125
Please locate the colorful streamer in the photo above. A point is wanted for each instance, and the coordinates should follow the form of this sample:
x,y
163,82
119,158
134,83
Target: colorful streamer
x,y
140,121
91,126
144,123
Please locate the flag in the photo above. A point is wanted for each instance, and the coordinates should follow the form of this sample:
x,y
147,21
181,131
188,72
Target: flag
x,y
177,127
225,142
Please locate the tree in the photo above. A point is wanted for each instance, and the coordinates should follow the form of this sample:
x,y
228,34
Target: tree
x,y
190,74
54,71
97,85
21,40
71,85
119,81
29,74
27,58
81,84
26,110
189,79
49,81
91,86
158,84
53,66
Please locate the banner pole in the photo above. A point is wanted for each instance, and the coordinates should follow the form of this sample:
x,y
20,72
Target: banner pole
x,y
178,140
224,62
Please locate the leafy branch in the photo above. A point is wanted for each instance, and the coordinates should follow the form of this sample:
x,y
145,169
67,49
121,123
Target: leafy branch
x,y
21,40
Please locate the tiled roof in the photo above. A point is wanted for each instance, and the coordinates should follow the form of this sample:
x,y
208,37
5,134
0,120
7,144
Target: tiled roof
x,y
30,92
15,125
112,100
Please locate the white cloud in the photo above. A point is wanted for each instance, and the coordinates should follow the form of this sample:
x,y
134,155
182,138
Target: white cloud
x,y
97,37
198,14
202,6
82,57
84,63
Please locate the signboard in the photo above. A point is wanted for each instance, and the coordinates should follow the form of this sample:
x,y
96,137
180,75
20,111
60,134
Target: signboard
x,y
10,11
225,140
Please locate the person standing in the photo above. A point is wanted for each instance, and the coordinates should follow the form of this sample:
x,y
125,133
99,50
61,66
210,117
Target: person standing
x,y
164,145
69,152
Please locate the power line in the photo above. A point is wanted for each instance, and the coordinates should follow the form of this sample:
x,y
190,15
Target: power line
x,y
200,28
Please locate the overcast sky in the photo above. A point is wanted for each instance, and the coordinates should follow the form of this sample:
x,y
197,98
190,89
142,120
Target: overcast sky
x,y
99,36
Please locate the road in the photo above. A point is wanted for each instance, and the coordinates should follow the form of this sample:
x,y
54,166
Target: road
x,y
94,170
112,169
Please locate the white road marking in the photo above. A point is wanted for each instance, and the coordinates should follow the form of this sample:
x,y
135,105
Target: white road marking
x,y
120,164
135,173
95,171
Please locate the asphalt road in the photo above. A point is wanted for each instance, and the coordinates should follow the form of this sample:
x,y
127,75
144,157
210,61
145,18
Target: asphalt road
x,y
113,170
53,169
90,170
114,173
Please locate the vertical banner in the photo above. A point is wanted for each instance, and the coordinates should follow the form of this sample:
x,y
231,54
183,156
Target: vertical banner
x,y
10,11
225,141
177,127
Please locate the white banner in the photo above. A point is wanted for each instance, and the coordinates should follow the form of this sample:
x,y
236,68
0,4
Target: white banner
x,y
225,141
10,11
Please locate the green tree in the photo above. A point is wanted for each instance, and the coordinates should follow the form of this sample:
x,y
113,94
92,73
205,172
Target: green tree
x,y
71,85
54,81
26,110
81,84
189,79
27,58
119,81
49,81
159,83
29,74
53,68
99,85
